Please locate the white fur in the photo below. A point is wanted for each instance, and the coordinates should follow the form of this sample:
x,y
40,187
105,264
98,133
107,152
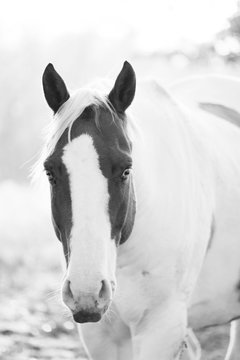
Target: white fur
x,y
216,299
92,249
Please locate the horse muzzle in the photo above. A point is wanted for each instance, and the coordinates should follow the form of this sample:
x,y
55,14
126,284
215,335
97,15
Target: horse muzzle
x,y
88,306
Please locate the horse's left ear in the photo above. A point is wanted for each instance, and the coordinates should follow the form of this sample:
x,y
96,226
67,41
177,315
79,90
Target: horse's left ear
x,y
54,88
124,88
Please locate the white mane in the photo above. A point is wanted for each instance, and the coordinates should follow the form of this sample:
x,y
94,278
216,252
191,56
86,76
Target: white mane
x,y
66,116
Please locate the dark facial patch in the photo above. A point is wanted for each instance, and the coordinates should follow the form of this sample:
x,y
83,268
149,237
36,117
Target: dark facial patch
x,y
60,197
114,151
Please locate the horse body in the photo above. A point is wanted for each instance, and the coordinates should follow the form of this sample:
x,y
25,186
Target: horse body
x,y
163,256
216,296
185,178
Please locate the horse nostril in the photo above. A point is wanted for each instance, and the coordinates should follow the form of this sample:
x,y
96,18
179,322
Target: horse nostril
x,y
105,291
102,290
68,289
67,294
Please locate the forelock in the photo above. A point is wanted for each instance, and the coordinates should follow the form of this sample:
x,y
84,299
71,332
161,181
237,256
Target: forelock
x,y
65,117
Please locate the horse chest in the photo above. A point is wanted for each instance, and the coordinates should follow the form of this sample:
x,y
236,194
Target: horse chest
x,y
136,294
140,290
130,299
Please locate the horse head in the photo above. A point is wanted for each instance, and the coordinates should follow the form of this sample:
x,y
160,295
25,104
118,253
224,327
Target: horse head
x,y
89,168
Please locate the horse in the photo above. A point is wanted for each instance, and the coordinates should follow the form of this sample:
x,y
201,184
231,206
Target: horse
x,y
145,201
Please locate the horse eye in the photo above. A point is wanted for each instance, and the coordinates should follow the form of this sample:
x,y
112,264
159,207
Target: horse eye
x,y
51,177
125,174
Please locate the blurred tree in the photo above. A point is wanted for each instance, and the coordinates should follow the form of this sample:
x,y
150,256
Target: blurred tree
x,y
227,42
234,27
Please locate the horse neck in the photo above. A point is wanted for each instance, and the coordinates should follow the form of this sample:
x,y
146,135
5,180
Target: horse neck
x,y
161,155
166,177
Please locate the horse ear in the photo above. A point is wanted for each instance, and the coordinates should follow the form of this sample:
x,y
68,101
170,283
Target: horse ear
x,y
124,88
54,88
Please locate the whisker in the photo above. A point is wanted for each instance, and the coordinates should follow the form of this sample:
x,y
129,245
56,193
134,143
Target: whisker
x,y
53,298
66,314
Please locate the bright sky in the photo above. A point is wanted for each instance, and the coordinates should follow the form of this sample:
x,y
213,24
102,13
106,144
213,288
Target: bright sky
x,y
155,23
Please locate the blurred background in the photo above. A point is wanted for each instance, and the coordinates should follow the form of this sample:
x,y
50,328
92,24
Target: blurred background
x,y
164,39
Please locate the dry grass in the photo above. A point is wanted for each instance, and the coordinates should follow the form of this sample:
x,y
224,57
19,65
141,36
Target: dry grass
x,y
33,322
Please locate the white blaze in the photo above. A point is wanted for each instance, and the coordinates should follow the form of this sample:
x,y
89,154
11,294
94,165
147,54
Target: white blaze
x,y
93,252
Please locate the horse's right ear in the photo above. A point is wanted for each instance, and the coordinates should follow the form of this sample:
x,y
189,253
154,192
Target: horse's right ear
x,y
54,88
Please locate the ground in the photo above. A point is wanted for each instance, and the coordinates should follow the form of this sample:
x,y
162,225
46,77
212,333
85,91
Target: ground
x,y
33,322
